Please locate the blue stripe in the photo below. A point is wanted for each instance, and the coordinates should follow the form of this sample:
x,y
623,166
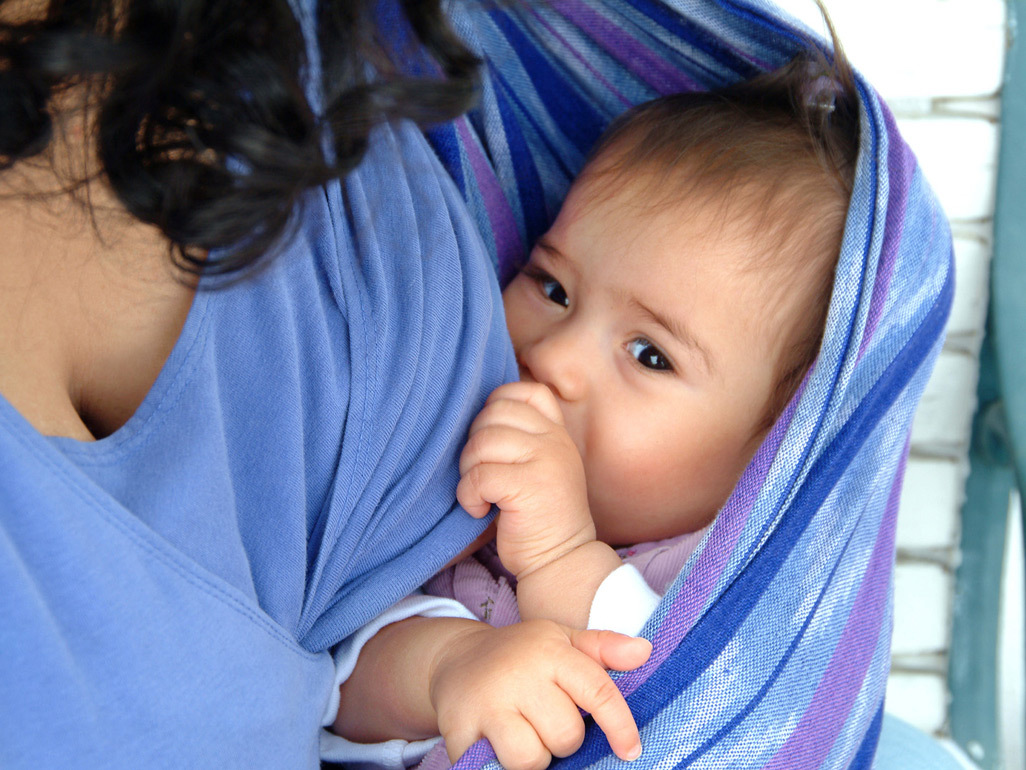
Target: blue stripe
x,y
758,17
774,675
446,144
863,759
528,118
696,36
576,118
529,187
849,333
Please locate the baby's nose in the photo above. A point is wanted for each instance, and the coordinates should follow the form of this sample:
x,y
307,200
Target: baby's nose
x,y
557,363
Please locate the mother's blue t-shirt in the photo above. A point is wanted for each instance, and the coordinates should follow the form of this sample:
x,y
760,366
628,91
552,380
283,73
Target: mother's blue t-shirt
x,y
167,593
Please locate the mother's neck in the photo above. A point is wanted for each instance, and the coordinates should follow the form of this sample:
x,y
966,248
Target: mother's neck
x,y
90,306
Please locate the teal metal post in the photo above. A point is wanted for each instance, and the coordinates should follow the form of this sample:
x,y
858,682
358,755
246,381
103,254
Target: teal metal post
x,y
998,453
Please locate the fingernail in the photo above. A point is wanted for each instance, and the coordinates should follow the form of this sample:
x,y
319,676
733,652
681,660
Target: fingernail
x,y
633,753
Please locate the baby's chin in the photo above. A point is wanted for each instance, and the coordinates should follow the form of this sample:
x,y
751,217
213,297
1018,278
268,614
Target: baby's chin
x,y
622,537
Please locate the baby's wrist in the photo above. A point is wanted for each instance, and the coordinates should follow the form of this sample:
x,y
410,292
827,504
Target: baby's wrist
x,y
563,589
449,658
540,560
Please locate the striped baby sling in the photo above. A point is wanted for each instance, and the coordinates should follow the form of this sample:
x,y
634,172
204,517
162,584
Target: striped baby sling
x,y
771,648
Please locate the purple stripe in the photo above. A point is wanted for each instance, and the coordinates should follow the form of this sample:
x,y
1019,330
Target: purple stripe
x,y
476,756
703,578
508,246
815,735
637,58
583,61
900,165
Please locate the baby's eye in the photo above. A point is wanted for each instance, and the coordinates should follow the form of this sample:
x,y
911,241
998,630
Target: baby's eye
x,y
549,286
552,289
648,355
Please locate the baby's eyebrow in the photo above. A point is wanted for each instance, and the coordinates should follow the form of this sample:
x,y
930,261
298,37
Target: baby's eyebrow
x,y
679,330
555,254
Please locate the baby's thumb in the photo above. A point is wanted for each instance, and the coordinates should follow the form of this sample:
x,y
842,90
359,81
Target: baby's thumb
x,y
611,650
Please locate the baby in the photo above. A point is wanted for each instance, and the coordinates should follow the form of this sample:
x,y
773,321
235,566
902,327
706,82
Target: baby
x,y
661,326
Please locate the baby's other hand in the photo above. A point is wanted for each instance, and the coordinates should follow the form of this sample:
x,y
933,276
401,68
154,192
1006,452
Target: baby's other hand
x,y
520,457
520,687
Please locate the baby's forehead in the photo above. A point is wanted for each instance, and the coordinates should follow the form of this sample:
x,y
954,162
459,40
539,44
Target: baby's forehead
x,y
624,199
778,204
652,225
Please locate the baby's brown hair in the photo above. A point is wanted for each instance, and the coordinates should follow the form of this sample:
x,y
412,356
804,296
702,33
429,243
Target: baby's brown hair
x,y
785,143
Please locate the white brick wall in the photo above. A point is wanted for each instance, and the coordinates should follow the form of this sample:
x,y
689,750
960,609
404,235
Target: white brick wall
x,y
945,100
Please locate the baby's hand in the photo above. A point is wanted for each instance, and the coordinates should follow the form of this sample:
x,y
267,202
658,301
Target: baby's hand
x,y
520,687
520,457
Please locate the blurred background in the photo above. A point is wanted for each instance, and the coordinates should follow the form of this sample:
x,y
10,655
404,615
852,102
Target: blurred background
x,y
958,650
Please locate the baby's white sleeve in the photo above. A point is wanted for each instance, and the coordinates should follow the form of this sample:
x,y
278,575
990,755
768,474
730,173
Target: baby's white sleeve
x,y
623,602
388,755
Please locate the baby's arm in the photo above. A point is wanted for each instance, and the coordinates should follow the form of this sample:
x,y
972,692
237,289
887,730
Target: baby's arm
x,y
520,457
519,686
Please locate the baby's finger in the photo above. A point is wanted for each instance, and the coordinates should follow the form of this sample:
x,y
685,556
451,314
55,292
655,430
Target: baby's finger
x,y
472,503
612,650
486,484
517,745
513,414
534,393
468,495
500,444
591,688
557,720
457,741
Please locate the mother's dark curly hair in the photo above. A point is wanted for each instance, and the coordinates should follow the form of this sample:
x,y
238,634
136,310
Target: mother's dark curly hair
x,y
202,123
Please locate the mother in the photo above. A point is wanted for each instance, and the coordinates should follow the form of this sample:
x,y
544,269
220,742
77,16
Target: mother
x,y
234,388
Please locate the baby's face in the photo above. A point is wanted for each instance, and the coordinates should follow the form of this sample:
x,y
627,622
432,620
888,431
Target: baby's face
x,y
654,340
